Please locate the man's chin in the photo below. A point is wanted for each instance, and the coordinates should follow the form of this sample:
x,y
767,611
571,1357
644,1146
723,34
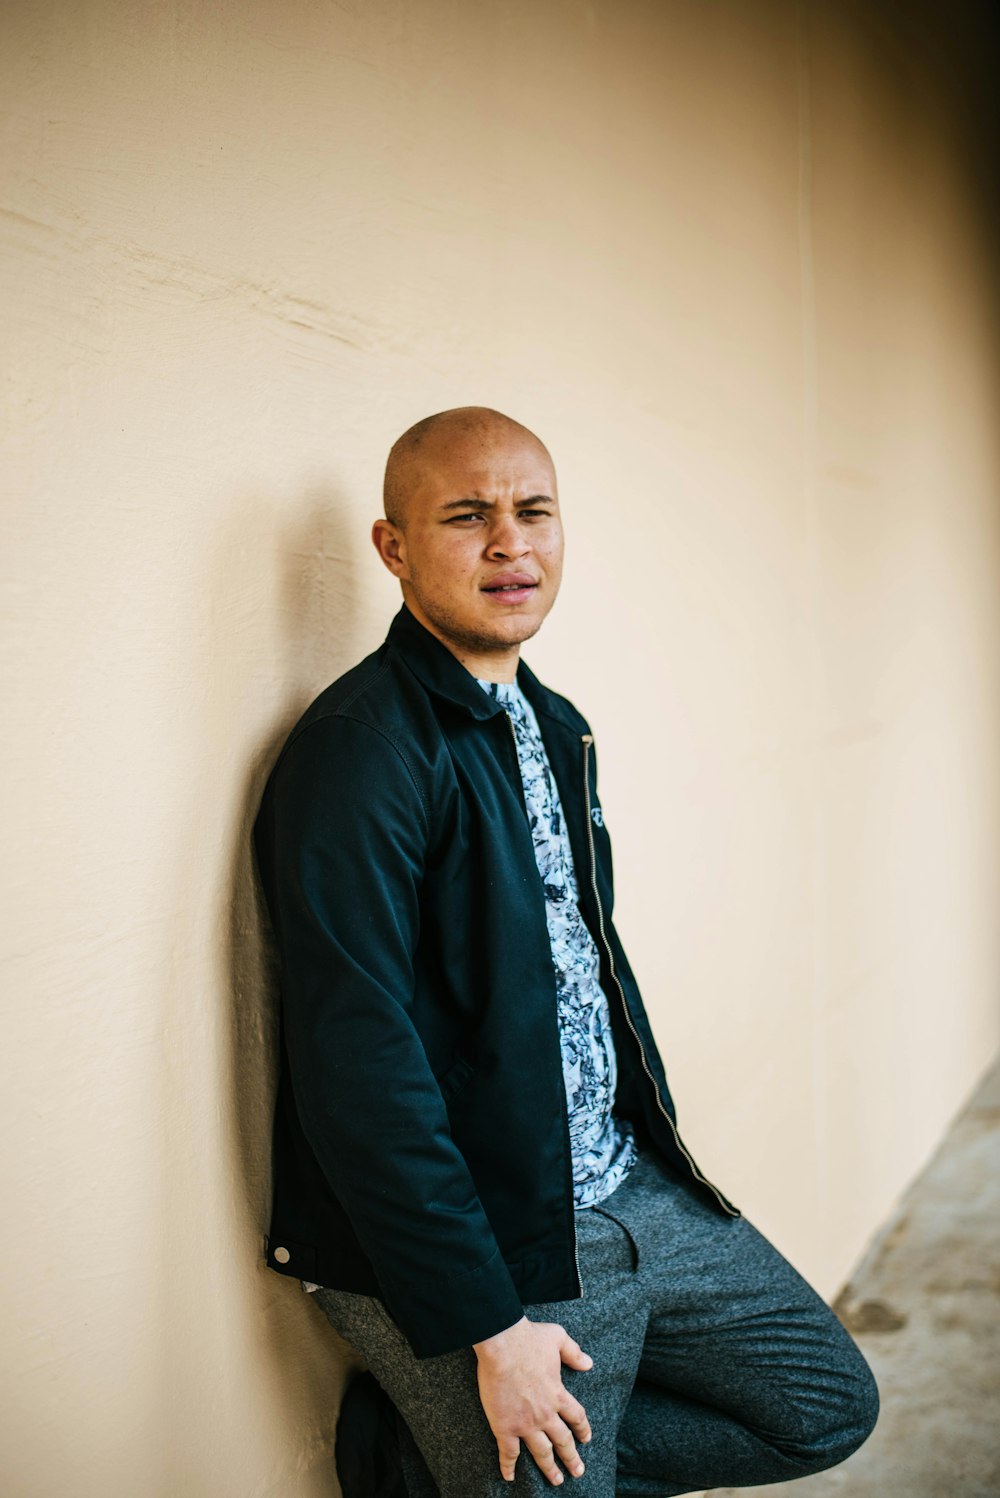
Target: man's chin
x,y
494,631
497,634
514,629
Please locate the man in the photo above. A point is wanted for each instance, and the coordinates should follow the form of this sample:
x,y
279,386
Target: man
x,y
477,1169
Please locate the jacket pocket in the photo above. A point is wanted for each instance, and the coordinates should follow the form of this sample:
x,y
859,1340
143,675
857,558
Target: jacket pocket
x,y
455,1077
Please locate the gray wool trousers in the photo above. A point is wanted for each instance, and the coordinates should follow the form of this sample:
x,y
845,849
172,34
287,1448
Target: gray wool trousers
x,y
715,1363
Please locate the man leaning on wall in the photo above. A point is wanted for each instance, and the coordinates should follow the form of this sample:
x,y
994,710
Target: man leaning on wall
x,y
477,1170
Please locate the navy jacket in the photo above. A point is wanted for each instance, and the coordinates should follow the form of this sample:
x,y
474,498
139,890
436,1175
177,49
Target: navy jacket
x,y
421,1144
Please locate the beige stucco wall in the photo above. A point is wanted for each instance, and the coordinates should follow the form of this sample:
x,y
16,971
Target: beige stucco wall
x,y
732,260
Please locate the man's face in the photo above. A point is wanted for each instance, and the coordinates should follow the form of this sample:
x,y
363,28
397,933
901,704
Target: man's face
x,y
482,512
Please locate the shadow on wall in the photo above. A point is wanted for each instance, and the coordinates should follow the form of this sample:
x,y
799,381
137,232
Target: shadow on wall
x,y
315,607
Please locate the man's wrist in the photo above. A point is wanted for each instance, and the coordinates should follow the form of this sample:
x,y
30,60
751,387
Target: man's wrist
x,y
492,1349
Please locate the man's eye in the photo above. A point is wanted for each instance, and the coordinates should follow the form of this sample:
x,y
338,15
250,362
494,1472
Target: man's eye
x,y
544,513
473,515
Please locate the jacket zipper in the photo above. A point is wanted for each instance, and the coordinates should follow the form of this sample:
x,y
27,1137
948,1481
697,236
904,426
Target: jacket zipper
x,y
588,739
572,1203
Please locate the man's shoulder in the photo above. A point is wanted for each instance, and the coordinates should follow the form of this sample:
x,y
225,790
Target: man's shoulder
x,y
379,693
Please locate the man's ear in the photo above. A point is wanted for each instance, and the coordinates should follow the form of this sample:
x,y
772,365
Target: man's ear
x,y
390,543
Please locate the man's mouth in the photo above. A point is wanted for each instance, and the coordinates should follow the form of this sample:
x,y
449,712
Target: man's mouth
x,y
512,587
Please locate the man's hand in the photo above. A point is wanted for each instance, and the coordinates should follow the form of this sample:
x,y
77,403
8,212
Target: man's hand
x,y
522,1393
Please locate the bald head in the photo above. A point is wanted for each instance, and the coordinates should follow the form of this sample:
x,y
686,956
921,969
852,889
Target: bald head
x,y
473,532
472,430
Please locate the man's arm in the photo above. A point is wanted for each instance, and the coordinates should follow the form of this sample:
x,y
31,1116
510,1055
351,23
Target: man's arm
x,y
341,844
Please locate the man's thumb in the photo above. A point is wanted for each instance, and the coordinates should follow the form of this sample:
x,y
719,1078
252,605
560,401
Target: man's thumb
x,y
574,1356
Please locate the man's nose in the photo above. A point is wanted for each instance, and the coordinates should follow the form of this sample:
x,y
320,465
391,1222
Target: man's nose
x,y
507,539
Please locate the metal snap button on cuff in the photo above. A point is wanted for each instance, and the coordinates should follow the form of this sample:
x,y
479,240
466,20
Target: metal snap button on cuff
x,y
282,1255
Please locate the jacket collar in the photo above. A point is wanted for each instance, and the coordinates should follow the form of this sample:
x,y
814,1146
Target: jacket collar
x,y
443,673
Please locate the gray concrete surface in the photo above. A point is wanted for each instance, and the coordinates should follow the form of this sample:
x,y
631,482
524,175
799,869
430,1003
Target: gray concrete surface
x,y
924,1306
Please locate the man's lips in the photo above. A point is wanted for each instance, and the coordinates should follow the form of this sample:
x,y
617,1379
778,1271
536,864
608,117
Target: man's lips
x,y
511,588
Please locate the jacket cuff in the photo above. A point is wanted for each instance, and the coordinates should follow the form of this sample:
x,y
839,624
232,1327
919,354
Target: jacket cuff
x,y
447,1313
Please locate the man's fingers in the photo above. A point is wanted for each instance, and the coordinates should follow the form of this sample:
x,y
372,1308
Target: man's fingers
x,y
509,1449
541,1449
565,1448
575,1416
581,1429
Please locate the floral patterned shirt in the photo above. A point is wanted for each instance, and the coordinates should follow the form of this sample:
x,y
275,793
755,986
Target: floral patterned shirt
x,y
603,1145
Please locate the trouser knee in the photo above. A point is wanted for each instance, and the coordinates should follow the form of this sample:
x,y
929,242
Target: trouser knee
x,y
859,1414
842,1423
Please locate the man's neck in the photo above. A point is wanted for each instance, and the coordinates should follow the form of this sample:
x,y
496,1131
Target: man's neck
x,y
489,665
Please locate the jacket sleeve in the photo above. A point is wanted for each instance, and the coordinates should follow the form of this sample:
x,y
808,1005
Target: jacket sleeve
x,y
341,842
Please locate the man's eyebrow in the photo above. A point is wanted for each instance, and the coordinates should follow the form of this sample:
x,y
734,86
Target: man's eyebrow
x,y
490,504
